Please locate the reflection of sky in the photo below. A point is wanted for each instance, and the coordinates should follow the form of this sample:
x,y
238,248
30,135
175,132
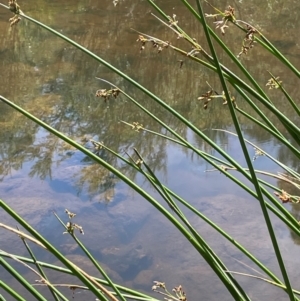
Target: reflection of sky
x,y
129,220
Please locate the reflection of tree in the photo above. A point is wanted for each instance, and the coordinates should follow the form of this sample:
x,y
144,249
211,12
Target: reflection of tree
x,y
43,153
288,158
14,140
96,180
57,83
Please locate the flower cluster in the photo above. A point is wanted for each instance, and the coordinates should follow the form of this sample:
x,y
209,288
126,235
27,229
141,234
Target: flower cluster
x,y
158,44
15,8
178,292
258,153
227,16
248,41
137,126
71,227
274,83
106,94
209,95
284,196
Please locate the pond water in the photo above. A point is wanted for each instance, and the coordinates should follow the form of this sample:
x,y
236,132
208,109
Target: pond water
x,y
56,82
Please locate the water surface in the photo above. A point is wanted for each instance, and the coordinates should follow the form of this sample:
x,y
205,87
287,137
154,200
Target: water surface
x,y
39,174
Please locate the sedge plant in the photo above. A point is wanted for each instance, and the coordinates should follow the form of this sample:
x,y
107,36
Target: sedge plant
x,y
247,89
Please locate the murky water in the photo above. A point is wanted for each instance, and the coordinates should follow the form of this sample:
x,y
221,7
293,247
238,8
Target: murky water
x,y
57,83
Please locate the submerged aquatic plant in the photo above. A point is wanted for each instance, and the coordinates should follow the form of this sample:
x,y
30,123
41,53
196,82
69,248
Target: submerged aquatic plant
x,y
249,90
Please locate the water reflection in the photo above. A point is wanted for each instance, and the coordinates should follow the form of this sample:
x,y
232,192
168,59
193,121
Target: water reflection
x,y
57,83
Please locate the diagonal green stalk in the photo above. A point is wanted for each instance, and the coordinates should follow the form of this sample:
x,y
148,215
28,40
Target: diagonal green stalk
x,y
22,280
92,259
157,134
280,56
53,250
147,92
207,253
11,292
263,279
186,122
260,94
52,289
211,159
99,161
247,157
286,94
67,271
219,41
281,212
75,146
1,296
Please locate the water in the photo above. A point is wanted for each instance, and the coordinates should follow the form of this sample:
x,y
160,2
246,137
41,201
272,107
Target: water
x,y
56,82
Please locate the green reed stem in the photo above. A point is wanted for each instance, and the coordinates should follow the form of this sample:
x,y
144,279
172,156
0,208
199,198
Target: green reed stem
x,y
69,272
11,292
147,92
280,56
262,97
53,250
22,280
210,159
92,259
232,112
117,173
247,157
208,254
52,289
186,122
281,212
286,94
